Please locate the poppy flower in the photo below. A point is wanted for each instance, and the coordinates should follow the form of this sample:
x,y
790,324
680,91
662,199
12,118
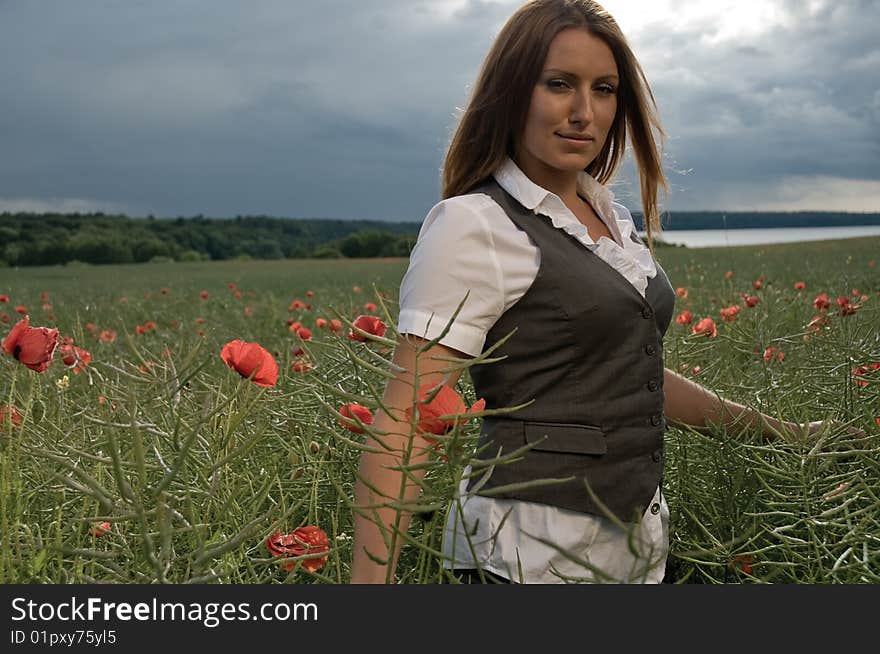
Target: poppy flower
x,y
373,325
742,562
4,299
705,326
799,286
439,410
770,352
99,529
296,305
20,309
236,295
335,326
860,372
4,318
369,306
294,326
301,365
12,412
356,289
297,351
163,291
696,370
681,292
92,327
309,293
846,308
75,357
320,323
822,303
31,346
231,286
757,284
728,314
107,336
728,274
351,413
304,333
204,295
302,541
684,318
249,359
751,301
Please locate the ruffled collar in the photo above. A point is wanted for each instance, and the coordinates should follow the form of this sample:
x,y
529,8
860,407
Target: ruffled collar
x,y
632,260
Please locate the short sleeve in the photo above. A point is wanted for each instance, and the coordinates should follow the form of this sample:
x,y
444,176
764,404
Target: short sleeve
x,y
454,256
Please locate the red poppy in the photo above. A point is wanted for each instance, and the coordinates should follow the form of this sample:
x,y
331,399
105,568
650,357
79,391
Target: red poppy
x,y
92,327
296,305
728,314
4,318
140,329
204,295
164,291
684,318
742,562
757,284
320,323
107,336
309,293
356,289
297,351
20,309
99,529
861,372
294,326
351,413
75,357
769,352
439,414
751,301
728,274
4,299
301,365
696,370
846,308
799,286
12,412
303,541
877,420
373,325
681,292
31,346
249,359
705,326
304,333
335,326
369,306
822,303
855,292
231,286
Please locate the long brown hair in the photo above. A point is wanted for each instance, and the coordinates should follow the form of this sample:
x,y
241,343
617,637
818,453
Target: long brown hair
x,y
494,120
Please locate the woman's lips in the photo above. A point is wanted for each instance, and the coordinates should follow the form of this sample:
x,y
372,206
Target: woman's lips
x,y
577,141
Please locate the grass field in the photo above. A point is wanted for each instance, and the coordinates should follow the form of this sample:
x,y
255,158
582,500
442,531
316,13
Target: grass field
x,y
194,466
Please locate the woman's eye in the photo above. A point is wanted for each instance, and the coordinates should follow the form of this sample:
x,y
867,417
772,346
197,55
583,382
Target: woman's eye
x,y
607,89
557,84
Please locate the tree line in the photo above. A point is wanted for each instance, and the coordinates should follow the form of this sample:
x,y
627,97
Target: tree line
x,y
28,239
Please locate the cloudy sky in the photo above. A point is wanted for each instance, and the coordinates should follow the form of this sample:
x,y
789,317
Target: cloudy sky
x,y
344,108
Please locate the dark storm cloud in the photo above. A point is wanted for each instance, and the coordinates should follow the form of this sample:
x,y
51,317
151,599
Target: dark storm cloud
x,y
344,108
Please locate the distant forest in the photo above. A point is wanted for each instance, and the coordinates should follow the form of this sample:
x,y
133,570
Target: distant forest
x,y
28,239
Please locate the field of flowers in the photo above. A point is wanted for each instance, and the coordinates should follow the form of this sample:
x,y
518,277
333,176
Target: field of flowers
x,y
195,423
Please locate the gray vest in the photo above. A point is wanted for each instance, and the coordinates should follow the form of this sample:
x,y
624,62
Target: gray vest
x,y
588,350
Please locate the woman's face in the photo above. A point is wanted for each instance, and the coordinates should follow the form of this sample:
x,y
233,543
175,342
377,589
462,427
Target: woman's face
x,y
572,108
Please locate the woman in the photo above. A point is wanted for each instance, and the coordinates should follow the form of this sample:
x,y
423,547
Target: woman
x,y
528,229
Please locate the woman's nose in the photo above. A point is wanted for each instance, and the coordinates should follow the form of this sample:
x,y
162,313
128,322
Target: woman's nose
x,y
581,107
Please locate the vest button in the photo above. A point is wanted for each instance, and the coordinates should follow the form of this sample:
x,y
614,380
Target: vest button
x,y
651,349
656,456
647,313
653,385
655,420
655,508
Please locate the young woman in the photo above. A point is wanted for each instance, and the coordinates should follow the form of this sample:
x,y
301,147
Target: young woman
x,y
529,230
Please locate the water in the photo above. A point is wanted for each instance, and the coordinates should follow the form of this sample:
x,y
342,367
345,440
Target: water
x,y
703,238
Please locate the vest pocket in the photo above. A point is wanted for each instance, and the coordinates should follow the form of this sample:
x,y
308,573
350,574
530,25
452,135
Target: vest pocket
x,y
565,438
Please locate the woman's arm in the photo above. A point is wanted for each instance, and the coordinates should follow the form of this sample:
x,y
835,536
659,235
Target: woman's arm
x,y
688,404
377,483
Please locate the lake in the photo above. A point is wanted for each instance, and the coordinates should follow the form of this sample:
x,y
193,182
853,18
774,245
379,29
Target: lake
x,y
703,238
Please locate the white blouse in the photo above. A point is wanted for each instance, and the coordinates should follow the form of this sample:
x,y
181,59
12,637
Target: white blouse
x,y
468,244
